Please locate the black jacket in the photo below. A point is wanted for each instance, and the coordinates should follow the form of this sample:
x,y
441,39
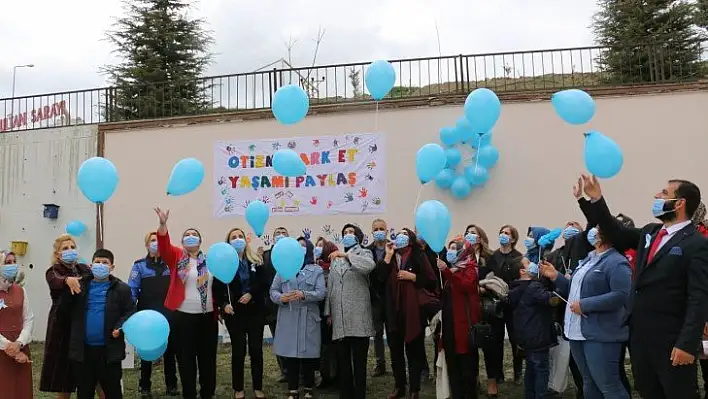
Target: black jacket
x,y
119,307
258,287
533,315
376,286
269,272
506,266
669,295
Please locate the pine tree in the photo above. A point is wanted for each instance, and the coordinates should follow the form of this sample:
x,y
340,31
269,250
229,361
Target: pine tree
x,y
163,53
647,40
702,14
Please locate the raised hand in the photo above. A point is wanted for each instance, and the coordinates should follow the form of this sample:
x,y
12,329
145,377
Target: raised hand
x,y
578,188
591,187
162,217
307,233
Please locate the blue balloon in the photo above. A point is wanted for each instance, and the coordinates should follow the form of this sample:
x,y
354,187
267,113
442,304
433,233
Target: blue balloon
x,y
603,157
288,163
549,238
574,106
467,134
186,176
460,188
429,161
444,178
482,110
287,257
290,104
449,136
146,330
453,157
487,156
76,228
97,179
480,140
151,356
477,175
379,78
257,214
222,262
432,219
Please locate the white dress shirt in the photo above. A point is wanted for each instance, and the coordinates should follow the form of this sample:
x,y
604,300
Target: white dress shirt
x,y
27,325
670,232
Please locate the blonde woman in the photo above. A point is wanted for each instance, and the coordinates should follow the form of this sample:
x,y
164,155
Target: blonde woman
x,y
242,304
16,323
63,275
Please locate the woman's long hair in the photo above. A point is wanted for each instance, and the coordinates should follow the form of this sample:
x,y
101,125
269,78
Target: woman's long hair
x,y
251,255
417,254
482,243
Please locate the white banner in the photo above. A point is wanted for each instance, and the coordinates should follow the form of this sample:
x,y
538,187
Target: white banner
x,y
345,174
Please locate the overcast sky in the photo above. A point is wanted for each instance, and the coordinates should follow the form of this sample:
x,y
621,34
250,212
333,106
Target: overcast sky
x,y
65,39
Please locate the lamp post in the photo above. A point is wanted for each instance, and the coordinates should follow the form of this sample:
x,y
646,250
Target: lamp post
x,y
14,75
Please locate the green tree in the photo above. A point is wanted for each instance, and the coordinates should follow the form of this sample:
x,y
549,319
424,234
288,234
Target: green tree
x,y
647,40
162,54
355,81
702,14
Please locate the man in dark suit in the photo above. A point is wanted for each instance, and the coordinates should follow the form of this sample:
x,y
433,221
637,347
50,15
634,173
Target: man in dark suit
x,y
669,298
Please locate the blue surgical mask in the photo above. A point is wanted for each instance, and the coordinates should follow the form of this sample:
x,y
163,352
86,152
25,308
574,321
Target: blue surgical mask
x,y
529,243
592,236
504,239
570,232
9,272
69,255
379,235
401,240
349,240
451,255
278,237
100,271
153,247
239,244
318,252
658,207
532,270
191,241
471,238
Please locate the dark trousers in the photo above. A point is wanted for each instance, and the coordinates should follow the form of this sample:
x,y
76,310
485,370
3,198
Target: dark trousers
x,y
296,367
94,370
704,372
169,359
517,356
280,359
623,369
246,328
655,377
462,370
328,355
197,338
414,351
494,350
379,345
536,375
599,364
352,353
577,377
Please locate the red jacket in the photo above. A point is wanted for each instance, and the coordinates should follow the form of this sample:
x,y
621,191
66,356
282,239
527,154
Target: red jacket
x,y
171,255
631,255
463,286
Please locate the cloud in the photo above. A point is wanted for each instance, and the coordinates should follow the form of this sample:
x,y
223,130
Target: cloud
x,y
66,42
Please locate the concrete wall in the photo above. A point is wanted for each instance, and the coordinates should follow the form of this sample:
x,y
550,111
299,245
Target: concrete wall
x,y
39,167
662,135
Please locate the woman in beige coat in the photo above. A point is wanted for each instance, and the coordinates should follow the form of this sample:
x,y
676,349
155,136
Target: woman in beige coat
x,y
348,310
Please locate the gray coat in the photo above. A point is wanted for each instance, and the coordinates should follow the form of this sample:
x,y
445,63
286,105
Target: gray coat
x,y
348,299
297,333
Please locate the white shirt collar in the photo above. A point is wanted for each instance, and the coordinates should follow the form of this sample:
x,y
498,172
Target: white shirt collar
x,y
676,227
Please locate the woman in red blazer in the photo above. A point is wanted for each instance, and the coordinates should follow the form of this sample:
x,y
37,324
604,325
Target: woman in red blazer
x,y
195,314
460,310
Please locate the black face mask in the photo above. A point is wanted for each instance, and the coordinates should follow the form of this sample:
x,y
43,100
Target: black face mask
x,y
669,212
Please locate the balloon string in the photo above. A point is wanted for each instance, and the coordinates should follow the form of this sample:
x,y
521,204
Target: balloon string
x,y
417,200
100,222
228,292
376,118
476,153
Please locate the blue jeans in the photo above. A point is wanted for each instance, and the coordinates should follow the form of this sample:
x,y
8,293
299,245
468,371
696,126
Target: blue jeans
x,y
599,364
536,374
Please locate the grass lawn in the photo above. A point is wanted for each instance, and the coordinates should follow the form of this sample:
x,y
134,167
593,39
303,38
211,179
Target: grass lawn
x,y
377,387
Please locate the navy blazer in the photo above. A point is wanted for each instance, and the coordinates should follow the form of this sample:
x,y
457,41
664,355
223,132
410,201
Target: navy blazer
x,y
604,295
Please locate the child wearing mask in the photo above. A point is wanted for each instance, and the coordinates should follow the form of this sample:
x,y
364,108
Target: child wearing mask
x,y
97,312
535,333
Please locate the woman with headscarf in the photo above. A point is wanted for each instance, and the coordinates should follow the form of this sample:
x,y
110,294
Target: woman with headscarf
x,y
348,310
328,356
191,298
16,323
406,272
297,334
242,303
534,248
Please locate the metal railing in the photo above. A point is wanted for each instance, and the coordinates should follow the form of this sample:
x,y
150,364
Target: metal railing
x,y
582,67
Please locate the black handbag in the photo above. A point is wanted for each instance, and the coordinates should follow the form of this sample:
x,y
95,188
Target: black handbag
x,y
480,334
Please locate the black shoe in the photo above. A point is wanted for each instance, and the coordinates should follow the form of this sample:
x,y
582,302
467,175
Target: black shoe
x,y
145,394
172,391
518,378
553,395
379,371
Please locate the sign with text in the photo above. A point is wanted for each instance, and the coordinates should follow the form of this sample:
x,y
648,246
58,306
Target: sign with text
x,y
345,174
34,116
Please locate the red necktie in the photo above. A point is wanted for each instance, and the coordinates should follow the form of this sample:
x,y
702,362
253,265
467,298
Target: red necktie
x,y
655,244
